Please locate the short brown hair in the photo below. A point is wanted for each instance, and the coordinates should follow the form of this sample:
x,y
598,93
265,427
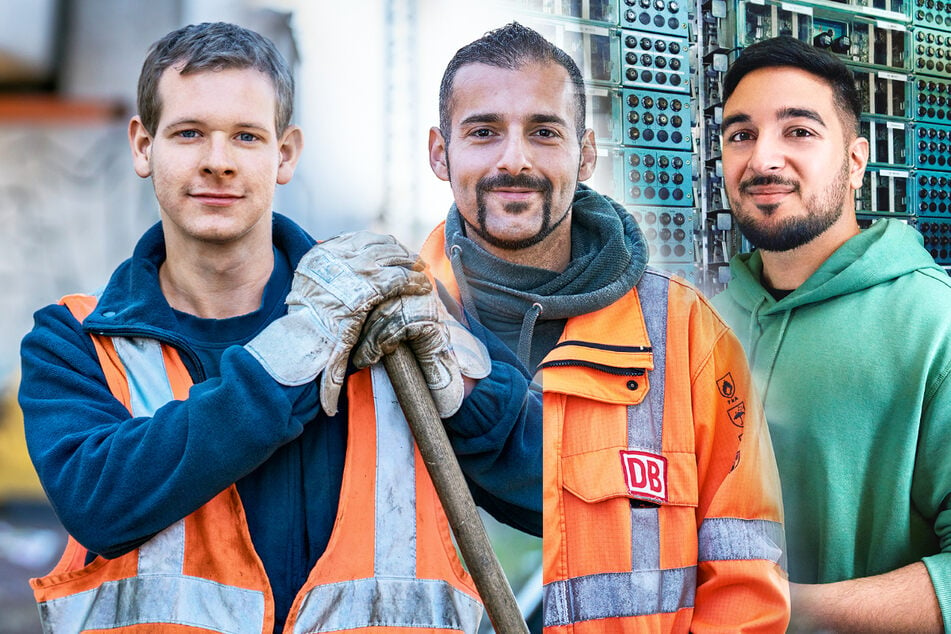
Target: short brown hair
x,y
213,46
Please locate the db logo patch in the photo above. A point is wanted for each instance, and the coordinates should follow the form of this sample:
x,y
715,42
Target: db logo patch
x,y
645,475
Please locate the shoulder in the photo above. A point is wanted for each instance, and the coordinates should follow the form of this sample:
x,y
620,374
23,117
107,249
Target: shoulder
x,y
684,300
924,293
434,247
56,340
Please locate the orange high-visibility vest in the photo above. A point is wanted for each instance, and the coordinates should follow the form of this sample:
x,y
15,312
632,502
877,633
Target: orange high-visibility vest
x,y
390,564
662,504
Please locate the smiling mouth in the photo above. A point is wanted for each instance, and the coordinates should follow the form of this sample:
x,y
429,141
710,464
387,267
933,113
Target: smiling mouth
x,y
769,194
769,191
514,194
215,199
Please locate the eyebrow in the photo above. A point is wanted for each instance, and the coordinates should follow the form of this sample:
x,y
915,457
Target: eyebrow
x,y
481,118
783,113
497,118
806,113
199,122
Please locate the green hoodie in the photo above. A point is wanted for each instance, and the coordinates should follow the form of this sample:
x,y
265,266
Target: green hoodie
x,y
852,370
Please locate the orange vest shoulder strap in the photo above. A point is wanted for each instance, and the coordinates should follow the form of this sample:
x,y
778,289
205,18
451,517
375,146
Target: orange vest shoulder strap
x,y
433,254
81,306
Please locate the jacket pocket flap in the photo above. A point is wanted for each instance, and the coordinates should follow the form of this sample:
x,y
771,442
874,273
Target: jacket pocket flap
x,y
600,475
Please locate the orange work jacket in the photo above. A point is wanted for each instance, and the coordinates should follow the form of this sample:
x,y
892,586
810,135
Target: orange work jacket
x,y
390,564
662,508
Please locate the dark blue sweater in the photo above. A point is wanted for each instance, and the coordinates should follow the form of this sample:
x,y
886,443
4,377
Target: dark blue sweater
x,y
115,481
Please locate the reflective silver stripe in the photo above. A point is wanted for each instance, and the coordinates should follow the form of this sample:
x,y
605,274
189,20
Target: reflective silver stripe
x,y
729,538
619,594
161,593
379,602
157,599
395,532
164,554
645,421
150,389
645,538
145,370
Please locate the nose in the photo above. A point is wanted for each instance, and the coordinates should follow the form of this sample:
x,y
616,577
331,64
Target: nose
x,y
218,159
515,155
766,155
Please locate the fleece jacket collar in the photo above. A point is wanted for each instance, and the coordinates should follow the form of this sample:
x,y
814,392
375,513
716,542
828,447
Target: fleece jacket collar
x,y
132,302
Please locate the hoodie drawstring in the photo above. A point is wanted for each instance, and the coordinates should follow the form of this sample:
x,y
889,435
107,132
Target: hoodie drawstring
x,y
465,293
527,333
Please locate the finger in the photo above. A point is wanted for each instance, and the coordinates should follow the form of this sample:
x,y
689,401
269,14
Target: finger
x,y
332,380
445,382
367,351
405,282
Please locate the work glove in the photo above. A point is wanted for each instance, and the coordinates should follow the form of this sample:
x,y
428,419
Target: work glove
x,y
336,285
444,349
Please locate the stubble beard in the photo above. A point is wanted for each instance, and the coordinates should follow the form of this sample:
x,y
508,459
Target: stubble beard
x,y
822,211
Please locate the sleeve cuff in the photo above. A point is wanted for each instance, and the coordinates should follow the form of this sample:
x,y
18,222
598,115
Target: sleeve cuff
x,y
939,568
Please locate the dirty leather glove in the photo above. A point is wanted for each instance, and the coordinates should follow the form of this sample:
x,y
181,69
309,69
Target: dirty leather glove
x,y
336,285
444,349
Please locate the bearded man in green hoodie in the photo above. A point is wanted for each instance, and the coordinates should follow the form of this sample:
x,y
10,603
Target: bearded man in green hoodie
x,y
849,338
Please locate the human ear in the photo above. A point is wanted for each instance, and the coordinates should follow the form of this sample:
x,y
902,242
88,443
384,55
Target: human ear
x,y
292,144
438,160
140,142
589,155
858,159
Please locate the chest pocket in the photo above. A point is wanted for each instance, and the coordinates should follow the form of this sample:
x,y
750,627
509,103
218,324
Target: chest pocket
x,y
612,472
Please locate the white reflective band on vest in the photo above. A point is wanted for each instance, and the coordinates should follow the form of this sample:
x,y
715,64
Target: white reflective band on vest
x,y
151,598
619,594
730,538
394,597
379,602
161,593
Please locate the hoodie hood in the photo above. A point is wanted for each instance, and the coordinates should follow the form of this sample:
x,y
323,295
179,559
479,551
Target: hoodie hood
x,y
869,261
865,260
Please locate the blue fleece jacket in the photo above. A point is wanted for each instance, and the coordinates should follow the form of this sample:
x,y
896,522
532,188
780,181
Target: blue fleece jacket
x,y
115,481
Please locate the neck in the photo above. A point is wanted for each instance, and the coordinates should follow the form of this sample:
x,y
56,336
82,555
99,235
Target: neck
x,y
217,281
553,253
788,270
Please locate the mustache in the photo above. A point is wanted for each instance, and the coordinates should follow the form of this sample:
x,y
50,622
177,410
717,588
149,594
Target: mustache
x,y
759,181
518,180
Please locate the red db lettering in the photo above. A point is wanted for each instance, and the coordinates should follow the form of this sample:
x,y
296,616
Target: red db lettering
x,y
645,475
